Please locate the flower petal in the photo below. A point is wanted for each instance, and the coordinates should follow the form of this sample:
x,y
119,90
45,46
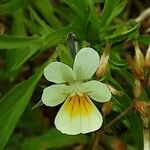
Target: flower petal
x,y
96,90
78,115
86,63
55,94
58,72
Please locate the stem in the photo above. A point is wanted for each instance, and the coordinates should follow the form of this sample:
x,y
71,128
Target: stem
x,y
100,132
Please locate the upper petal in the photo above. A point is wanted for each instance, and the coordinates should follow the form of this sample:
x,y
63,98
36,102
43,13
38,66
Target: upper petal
x,y
78,115
96,90
58,72
85,64
55,94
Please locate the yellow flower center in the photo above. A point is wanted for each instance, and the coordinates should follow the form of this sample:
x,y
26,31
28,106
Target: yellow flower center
x,y
78,105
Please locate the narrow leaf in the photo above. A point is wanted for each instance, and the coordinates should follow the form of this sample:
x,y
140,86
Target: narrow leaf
x,y
52,139
136,128
14,103
12,42
144,39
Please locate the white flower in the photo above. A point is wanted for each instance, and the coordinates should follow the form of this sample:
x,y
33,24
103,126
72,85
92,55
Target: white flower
x,y
78,114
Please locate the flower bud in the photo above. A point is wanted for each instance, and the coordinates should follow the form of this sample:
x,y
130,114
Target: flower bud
x,y
106,108
142,106
146,137
137,88
139,60
139,106
137,64
114,91
132,66
103,62
147,57
144,109
102,67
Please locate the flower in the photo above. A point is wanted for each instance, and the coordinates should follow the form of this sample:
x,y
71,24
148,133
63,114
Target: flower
x,y
78,114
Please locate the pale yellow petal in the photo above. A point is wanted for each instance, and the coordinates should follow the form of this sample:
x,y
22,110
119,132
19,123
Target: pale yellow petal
x,y
78,115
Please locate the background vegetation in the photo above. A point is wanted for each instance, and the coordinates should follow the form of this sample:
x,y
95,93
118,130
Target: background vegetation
x,y
34,33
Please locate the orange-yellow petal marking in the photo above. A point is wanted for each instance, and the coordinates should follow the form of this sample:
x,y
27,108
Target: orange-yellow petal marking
x,y
78,115
78,105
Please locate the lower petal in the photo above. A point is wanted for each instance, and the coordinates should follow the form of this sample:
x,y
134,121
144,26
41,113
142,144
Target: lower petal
x,y
78,115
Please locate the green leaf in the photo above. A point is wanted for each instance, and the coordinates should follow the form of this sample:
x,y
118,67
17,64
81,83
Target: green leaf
x,y
134,122
65,55
12,42
37,19
10,6
117,10
111,9
16,57
18,27
121,31
52,139
144,39
115,58
46,10
79,7
14,103
136,128
56,37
